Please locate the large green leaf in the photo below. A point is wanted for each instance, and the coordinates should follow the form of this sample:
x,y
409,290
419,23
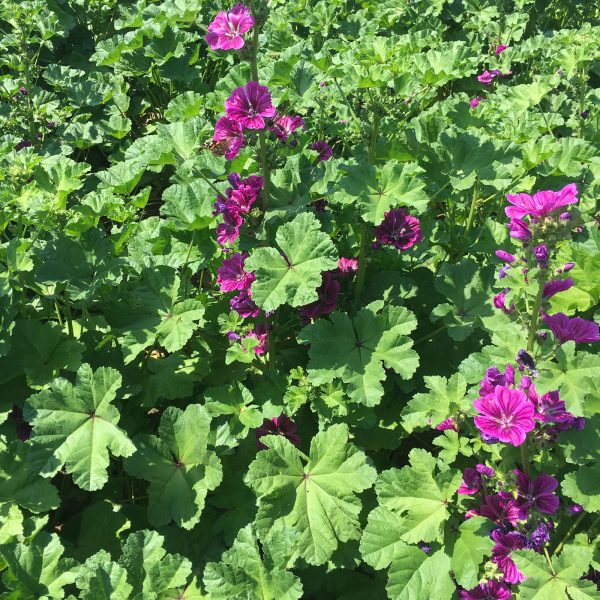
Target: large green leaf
x,y
317,495
470,547
102,579
356,350
583,487
178,465
291,273
76,426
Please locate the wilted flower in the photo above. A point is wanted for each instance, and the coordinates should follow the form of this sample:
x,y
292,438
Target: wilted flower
x,y
250,105
398,229
541,203
281,425
227,28
540,536
506,415
500,303
575,329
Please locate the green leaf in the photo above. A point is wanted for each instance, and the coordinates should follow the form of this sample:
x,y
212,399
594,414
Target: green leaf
x,y
11,522
254,570
150,570
444,399
362,347
102,579
583,487
178,466
37,571
291,274
581,447
189,206
470,547
419,495
20,480
380,543
76,426
415,575
318,498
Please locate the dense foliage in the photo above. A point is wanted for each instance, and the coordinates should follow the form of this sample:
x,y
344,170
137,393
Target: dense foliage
x,y
298,299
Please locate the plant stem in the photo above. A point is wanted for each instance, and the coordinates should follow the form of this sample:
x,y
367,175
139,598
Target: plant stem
x,y
185,264
535,313
69,318
471,213
569,533
525,456
549,560
362,266
60,321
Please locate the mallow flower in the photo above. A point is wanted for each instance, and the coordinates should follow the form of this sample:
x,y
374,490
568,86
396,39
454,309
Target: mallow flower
x,y
328,293
474,102
575,329
519,230
229,132
250,105
231,275
537,493
490,590
226,30
398,229
506,415
541,203
323,148
506,542
281,425
554,286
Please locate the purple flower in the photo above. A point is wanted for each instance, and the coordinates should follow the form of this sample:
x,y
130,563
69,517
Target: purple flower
x,y
491,590
398,229
425,547
566,267
565,216
505,256
500,48
347,265
542,255
575,509
506,415
326,302
540,536
485,471
233,336
229,230
488,76
226,30
229,131
23,91
525,360
537,493
500,303
505,544
260,334
243,305
575,329
23,144
503,271
550,408
502,510
281,425
250,105
323,148
584,114
554,286
493,378
541,203
231,275
286,125
447,424
474,102
518,229
471,482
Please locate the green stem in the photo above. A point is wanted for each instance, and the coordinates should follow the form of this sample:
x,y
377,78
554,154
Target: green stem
x,y
362,266
535,313
471,213
569,533
549,560
58,315
185,264
69,318
373,138
525,456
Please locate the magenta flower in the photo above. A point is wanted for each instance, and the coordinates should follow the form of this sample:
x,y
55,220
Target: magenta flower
x,y
566,267
347,265
574,509
260,334
229,230
493,378
286,125
471,482
323,148
575,329
554,286
231,275
537,493
541,203
281,425
326,303
488,76
542,255
506,256
550,408
243,305
500,48
250,105
447,424
501,509
506,415
226,30
501,553
398,229
474,102
491,590
500,303
230,132
486,471
518,229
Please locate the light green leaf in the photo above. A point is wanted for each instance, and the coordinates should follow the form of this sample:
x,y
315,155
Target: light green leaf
x,y
470,547
583,487
102,579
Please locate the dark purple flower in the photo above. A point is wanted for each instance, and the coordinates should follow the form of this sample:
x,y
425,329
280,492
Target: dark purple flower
x,y
231,275
575,329
250,105
524,359
425,547
584,114
320,205
501,510
227,28
231,133
243,305
23,144
23,91
325,304
490,590
566,267
471,482
485,471
493,378
554,286
233,336
500,303
540,536
398,229
542,255
519,230
537,493
51,125
281,425
505,544
323,148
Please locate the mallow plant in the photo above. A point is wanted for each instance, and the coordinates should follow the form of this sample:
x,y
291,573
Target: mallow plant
x,y
299,300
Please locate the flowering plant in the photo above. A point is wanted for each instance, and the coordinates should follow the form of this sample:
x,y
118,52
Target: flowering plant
x,y
299,300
